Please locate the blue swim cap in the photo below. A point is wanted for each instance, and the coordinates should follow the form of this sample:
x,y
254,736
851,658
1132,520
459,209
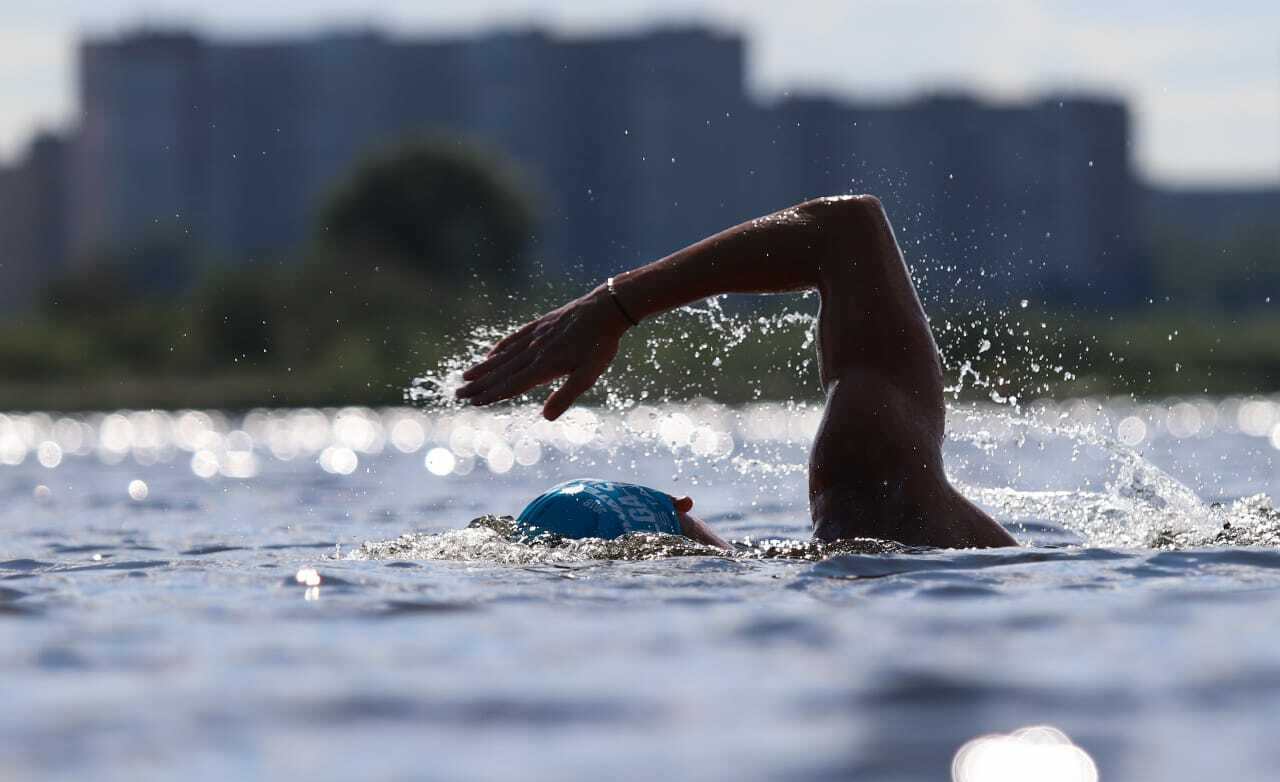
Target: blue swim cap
x,y
587,508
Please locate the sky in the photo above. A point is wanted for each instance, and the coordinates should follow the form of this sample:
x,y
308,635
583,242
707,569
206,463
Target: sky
x,y
1202,77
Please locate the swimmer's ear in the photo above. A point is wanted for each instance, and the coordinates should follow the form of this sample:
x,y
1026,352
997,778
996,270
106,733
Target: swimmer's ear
x,y
683,504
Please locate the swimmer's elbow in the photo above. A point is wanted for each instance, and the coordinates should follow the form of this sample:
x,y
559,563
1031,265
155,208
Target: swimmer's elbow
x,y
843,210
848,225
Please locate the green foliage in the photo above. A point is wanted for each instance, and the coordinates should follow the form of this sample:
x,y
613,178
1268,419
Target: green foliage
x,y
155,265
417,245
234,314
89,292
437,206
324,334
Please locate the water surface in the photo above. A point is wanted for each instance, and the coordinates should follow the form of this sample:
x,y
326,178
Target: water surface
x,y
191,596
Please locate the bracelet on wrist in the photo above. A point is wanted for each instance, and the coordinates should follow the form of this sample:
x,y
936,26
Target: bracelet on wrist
x,y
613,294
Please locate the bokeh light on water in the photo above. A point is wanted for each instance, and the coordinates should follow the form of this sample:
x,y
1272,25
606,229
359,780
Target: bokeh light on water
x,y
138,490
1101,448
500,440
1042,753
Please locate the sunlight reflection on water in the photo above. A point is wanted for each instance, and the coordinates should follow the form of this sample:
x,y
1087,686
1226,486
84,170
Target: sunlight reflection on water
x,y
761,442
222,445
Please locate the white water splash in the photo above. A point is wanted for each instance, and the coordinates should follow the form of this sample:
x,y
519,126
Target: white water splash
x,y
1139,504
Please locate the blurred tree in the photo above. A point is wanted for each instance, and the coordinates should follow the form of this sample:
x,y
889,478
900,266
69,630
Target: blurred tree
x,y
152,266
440,207
235,314
89,293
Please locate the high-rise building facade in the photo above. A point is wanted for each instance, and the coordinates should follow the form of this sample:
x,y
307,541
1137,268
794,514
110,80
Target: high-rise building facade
x,y
222,151
34,204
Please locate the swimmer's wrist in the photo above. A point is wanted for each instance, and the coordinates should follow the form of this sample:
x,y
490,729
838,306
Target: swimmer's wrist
x,y
622,308
601,296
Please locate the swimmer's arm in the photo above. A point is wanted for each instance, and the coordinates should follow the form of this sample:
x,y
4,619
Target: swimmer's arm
x,y
790,250
695,528
808,246
844,248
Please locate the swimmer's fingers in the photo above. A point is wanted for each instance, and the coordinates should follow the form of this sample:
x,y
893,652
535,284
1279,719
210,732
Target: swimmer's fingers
x,y
525,373
493,386
580,379
507,348
497,358
511,339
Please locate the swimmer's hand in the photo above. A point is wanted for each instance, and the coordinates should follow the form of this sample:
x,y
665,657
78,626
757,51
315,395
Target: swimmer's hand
x,y
578,340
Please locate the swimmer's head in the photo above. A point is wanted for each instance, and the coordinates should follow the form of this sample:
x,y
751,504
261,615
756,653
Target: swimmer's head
x,y
587,508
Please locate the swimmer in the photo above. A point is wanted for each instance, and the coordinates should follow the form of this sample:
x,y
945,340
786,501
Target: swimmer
x,y
875,468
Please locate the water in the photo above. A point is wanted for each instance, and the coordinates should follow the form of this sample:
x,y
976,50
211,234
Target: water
x,y
191,596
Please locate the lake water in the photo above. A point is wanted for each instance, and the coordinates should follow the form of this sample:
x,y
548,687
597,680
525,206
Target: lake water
x,y
188,596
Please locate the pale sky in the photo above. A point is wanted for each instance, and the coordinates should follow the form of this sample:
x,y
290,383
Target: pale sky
x,y
1202,76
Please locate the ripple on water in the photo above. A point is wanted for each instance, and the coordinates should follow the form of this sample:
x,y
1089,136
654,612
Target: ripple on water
x,y
9,605
128,565
23,565
478,711
495,539
200,551
395,608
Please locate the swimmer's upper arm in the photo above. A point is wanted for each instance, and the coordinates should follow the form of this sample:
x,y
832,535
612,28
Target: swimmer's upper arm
x,y
871,322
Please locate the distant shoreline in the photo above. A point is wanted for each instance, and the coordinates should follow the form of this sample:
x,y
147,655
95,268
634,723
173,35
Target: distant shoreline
x,y
731,355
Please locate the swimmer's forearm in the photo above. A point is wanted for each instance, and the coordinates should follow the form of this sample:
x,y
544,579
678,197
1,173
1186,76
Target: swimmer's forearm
x,y
785,251
814,245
